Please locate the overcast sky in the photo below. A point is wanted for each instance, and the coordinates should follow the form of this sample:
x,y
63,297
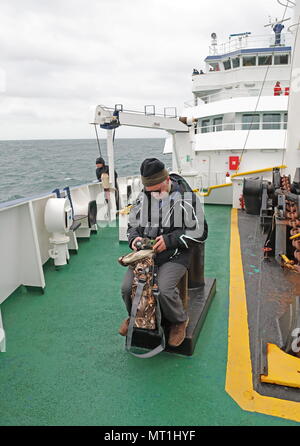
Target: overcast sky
x,y
60,58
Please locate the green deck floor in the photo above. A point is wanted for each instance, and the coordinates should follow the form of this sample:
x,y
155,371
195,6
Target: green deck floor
x,y
66,365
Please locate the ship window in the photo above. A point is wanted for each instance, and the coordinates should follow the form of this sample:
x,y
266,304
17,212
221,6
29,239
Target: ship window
x,y
236,62
217,127
250,121
227,64
285,118
205,125
249,61
271,121
214,66
265,60
281,59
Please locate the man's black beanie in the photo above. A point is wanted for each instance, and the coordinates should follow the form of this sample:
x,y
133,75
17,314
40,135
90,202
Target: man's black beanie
x,y
153,172
100,160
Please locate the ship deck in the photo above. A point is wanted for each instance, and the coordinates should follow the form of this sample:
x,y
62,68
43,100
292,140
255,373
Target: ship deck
x,y
66,365
270,290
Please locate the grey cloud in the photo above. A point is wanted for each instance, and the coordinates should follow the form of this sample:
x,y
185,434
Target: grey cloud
x,y
63,56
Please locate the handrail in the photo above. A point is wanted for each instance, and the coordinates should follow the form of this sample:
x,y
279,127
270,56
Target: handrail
x,y
252,41
219,186
206,194
230,94
268,169
280,125
236,93
144,113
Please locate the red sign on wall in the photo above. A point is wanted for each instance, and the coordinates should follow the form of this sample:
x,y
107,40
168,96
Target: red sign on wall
x,y
234,162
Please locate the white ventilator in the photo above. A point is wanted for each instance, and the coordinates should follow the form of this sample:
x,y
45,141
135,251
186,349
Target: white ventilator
x,y
58,220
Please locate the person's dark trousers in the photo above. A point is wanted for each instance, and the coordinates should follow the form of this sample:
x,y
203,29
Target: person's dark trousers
x,y
169,274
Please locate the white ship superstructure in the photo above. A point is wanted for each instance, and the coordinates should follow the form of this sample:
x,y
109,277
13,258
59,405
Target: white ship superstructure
x,y
236,104
236,124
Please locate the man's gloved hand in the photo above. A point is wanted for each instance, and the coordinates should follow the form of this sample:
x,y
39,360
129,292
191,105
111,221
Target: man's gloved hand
x,y
160,244
134,242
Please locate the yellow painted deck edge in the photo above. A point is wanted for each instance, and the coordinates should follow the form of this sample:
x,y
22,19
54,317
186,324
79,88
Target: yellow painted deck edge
x,y
283,369
239,368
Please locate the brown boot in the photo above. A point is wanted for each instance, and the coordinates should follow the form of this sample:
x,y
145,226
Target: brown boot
x,y
124,327
177,333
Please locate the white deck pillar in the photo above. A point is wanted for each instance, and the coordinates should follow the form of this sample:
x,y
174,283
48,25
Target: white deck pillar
x,y
111,158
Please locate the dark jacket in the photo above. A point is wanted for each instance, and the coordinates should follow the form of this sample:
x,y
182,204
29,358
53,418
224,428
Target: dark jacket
x,y
104,169
179,218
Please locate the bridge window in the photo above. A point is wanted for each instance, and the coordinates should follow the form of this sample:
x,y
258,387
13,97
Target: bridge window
x,y
250,121
271,121
285,118
214,66
249,61
217,127
205,126
281,59
227,64
265,60
236,62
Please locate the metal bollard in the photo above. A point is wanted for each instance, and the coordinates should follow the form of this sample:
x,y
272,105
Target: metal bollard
x,y
196,269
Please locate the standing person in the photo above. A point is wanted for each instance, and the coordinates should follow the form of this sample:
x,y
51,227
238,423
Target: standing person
x,y
102,168
277,30
164,213
277,89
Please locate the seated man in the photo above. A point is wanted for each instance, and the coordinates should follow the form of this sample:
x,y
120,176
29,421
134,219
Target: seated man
x,y
175,220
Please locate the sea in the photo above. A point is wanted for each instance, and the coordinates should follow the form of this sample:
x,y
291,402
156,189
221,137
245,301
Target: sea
x,y
30,168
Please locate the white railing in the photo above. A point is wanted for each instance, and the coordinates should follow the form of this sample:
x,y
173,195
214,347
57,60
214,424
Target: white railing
x,y
23,220
237,93
282,125
248,41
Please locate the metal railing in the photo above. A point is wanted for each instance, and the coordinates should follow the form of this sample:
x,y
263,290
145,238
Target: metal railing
x,y
279,125
149,110
248,41
211,180
236,93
